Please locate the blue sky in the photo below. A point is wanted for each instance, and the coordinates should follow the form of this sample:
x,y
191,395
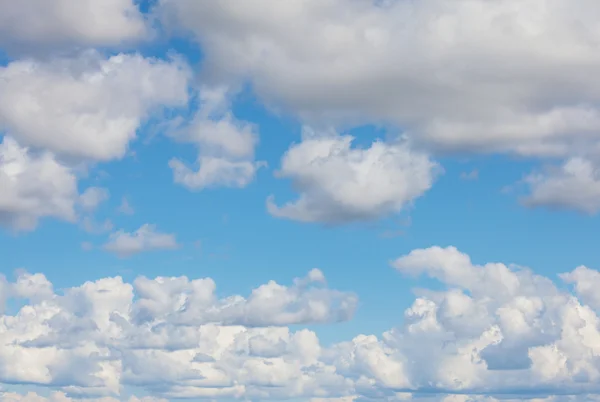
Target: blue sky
x,y
147,141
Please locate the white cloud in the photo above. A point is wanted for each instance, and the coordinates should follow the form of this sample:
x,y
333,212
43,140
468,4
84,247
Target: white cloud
x,y
34,186
225,145
88,107
338,183
587,282
576,185
491,331
59,112
42,24
171,336
478,75
146,238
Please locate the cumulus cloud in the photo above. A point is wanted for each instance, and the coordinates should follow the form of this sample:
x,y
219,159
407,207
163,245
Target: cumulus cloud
x,y
88,107
340,183
575,184
492,329
146,238
39,25
507,75
477,76
172,336
61,113
225,145
497,329
34,186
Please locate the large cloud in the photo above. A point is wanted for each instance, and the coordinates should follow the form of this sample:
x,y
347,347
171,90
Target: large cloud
x,y
495,330
175,337
56,114
510,76
507,75
88,106
42,25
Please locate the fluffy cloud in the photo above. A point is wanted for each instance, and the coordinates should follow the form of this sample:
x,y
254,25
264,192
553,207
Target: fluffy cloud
x,y
146,238
506,75
34,186
493,329
497,329
88,107
59,112
339,183
575,184
225,145
172,336
509,76
42,24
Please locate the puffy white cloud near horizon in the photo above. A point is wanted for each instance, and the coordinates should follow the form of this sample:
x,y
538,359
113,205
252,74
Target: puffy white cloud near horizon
x,y
494,329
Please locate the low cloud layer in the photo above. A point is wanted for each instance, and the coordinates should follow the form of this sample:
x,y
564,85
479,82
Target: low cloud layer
x,y
493,329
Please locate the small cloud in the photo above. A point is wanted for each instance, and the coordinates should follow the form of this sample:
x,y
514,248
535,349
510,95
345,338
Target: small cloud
x,y
472,175
92,198
125,208
87,246
91,226
146,238
390,234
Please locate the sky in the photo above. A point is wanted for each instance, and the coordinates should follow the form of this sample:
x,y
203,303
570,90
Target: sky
x,y
303,200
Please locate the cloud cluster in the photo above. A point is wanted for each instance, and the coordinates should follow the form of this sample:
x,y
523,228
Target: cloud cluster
x,y
59,113
480,76
172,336
492,329
507,75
